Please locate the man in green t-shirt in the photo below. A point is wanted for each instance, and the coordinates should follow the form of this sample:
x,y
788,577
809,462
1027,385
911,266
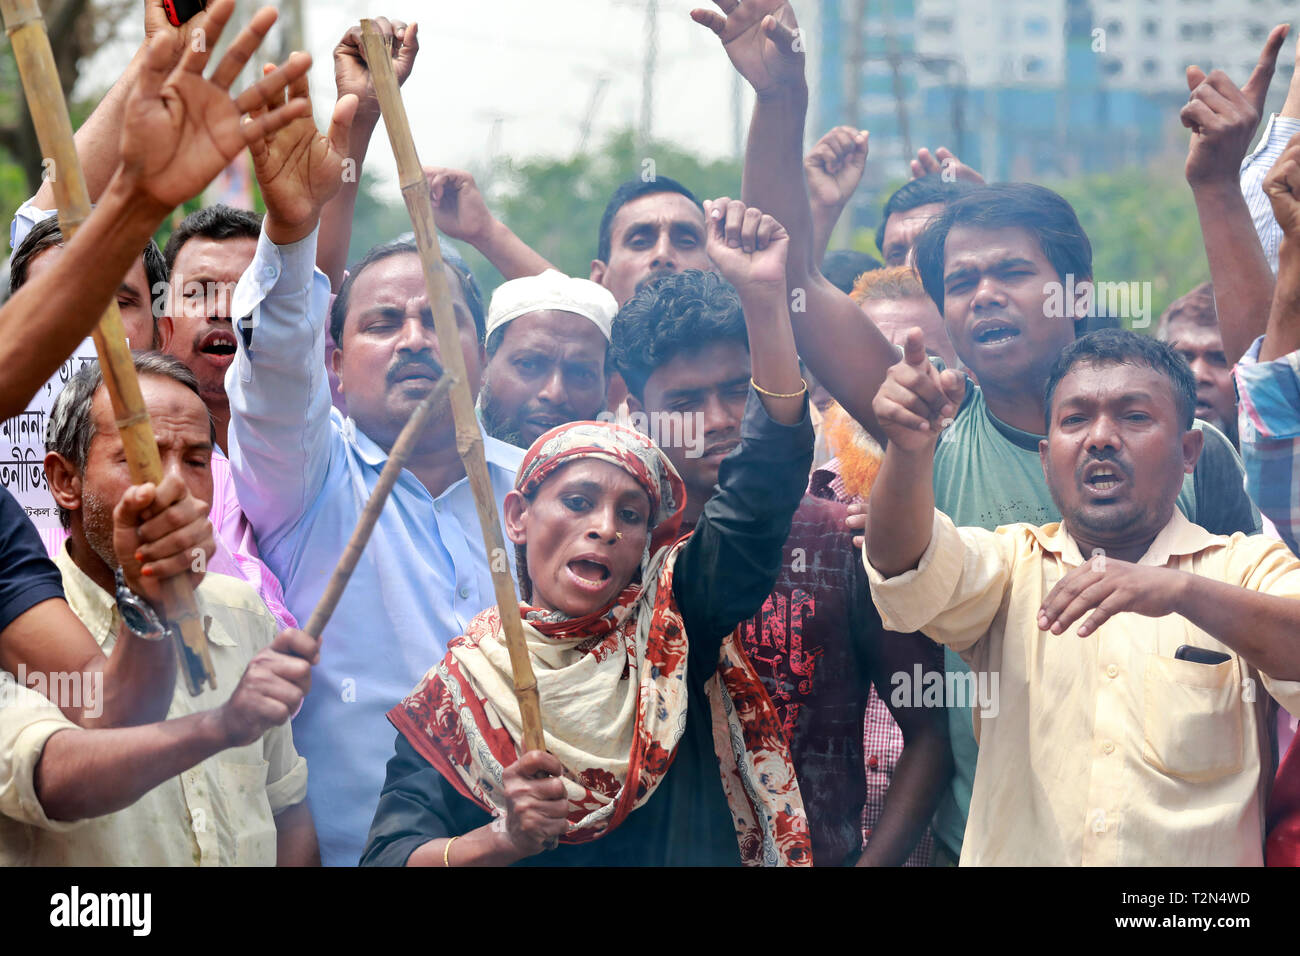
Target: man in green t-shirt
x,y
1010,268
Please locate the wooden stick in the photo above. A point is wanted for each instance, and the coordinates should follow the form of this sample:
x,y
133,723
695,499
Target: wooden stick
x,y
26,29
469,437
397,459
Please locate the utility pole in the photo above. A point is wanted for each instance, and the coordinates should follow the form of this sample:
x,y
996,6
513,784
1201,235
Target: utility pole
x,y
857,57
584,130
293,34
648,72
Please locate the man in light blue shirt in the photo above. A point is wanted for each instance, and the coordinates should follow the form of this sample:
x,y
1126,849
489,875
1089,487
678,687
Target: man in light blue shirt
x,y
304,473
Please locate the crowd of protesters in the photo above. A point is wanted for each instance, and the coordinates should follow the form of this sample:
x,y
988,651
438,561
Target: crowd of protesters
x,y
821,560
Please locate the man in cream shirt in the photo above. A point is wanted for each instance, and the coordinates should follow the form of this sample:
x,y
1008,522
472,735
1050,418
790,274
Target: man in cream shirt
x,y
1136,651
243,805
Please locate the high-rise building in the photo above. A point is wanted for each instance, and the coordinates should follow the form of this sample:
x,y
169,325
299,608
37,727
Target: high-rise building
x,y
1029,89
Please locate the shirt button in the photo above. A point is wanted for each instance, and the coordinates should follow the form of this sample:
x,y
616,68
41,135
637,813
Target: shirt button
x,y
269,272
873,763
1112,670
437,506
1107,747
463,592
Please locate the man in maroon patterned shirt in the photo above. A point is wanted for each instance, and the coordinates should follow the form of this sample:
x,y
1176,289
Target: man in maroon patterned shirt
x,y
816,644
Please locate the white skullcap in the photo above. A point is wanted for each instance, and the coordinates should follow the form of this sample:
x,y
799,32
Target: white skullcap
x,y
552,290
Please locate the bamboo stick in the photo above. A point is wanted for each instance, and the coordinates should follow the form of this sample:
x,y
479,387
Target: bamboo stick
x,y
469,438
397,459
31,44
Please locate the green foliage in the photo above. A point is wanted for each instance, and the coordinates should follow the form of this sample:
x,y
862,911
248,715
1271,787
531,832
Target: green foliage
x,y
1143,227
553,204
378,216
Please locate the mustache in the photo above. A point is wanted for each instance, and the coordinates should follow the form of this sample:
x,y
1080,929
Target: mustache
x,y
421,361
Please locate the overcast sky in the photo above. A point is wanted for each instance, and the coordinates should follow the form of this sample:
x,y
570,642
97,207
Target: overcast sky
x,y
516,77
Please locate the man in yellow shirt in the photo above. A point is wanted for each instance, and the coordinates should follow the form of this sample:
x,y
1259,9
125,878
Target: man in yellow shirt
x,y
1132,726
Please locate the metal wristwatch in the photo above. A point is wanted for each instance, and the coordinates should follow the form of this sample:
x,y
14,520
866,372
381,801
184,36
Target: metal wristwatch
x,y
140,619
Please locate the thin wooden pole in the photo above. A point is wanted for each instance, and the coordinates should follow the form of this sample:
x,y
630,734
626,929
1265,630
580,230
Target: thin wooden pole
x,y
469,437
31,43
397,459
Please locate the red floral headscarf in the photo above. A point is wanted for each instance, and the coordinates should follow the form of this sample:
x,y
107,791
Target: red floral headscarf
x,y
621,446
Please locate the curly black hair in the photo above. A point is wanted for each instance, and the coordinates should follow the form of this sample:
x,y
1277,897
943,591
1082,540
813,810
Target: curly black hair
x,y
676,313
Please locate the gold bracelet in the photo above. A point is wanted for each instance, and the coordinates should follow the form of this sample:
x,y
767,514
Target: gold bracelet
x,y
446,852
762,391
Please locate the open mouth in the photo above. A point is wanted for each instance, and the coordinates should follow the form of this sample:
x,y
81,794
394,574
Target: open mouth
x,y
218,344
1102,478
996,334
588,573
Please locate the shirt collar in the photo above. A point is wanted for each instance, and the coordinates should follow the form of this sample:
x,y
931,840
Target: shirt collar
x,y
496,452
1178,537
97,608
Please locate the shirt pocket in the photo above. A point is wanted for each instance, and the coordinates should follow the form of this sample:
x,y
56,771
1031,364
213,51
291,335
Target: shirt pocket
x,y
247,811
1192,721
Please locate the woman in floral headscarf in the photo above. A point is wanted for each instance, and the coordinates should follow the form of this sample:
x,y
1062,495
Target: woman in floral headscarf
x,y
662,747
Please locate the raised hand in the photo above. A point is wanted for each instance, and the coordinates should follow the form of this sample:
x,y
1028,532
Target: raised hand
x,y
1223,119
160,531
352,75
833,168
917,401
298,169
458,208
762,39
180,129
943,161
1282,185
747,245
178,38
1106,586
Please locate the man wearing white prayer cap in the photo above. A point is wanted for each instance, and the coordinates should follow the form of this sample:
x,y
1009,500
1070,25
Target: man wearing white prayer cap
x,y
546,343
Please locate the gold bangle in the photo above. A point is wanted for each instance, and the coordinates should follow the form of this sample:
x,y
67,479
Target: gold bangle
x,y
762,391
446,852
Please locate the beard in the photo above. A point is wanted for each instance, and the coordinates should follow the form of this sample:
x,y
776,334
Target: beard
x,y
496,424
97,526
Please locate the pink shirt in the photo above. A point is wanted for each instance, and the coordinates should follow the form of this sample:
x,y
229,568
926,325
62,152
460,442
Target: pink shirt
x,y
236,555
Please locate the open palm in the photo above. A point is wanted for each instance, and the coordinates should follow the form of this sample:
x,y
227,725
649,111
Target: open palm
x,y
297,168
181,129
767,58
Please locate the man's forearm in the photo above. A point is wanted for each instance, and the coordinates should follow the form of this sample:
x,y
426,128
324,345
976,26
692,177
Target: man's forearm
x,y
511,256
295,837
88,773
139,681
774,177
1283,334
914,791
773,362
848,355
1262,628
824,219
901,515
337,214
1242,278
58,308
